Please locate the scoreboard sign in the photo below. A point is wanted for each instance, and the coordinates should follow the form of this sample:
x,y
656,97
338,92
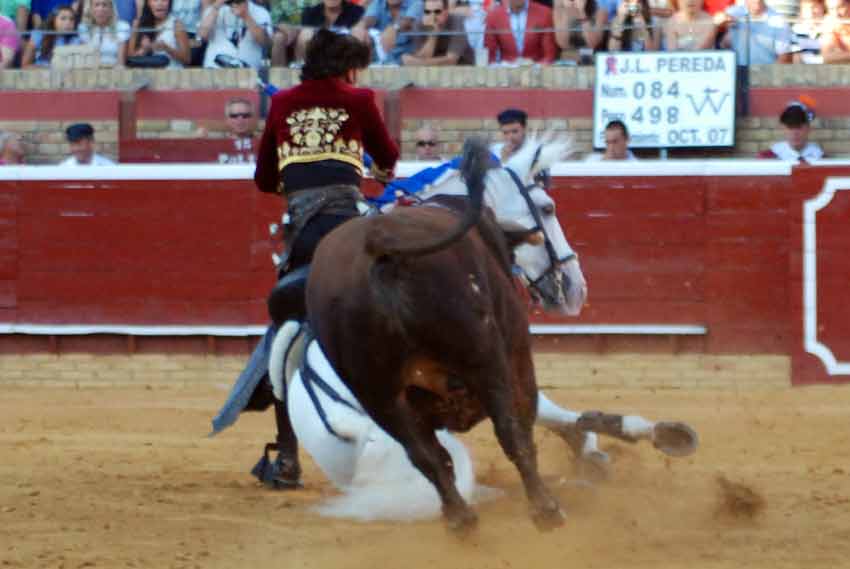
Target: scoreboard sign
x,y
681,99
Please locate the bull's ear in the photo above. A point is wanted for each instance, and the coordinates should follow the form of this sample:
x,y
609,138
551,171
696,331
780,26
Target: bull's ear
x,y
516,235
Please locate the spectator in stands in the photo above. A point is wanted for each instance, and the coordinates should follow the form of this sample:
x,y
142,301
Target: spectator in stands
x,y
835,42
579,29
60,29
427,144
157,32
102,27
524,18
512,124
714,7
808,31
616,143
11,149
690,28
337,15
81,139
237,29
768,32
18,11
796,122
386,23
443,40
634,28
8,42
241,126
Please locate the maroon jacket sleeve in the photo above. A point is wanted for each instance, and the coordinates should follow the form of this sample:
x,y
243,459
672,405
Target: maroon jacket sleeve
x,y
376,139
267,175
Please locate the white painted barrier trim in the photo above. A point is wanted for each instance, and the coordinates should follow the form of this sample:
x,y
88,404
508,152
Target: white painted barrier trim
x,y
810,276
212,171
239,331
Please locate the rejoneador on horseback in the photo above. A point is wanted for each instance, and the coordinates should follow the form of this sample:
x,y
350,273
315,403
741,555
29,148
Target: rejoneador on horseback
x,y
312,152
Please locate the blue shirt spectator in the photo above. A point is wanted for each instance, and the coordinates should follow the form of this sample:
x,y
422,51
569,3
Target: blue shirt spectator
x,y
769,34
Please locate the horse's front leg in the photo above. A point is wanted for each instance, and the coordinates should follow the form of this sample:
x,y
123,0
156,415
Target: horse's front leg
x,y
426,453
592,462
671,438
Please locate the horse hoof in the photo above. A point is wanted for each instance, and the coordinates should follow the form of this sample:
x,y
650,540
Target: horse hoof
x,y
549,518
594,466
282,474
462,524
674,439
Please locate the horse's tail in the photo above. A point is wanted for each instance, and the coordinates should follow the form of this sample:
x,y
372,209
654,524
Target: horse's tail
x,y
473,169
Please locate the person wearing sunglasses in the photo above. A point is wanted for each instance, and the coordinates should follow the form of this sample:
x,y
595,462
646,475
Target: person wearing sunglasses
x,y
241,126
427,144
440,38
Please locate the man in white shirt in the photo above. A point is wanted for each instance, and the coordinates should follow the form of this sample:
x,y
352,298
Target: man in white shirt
x,y
81,139
616,144
237,29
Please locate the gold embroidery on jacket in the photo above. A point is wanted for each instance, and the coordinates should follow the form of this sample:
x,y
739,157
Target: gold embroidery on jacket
x,y
315,136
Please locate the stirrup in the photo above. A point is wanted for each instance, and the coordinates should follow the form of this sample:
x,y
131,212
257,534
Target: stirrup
x,y
282,474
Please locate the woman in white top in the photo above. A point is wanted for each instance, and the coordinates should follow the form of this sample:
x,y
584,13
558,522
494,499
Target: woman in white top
x,y
158,32
634,28
102,28
691,28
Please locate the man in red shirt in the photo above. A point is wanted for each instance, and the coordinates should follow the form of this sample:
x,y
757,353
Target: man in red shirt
x,y
512,32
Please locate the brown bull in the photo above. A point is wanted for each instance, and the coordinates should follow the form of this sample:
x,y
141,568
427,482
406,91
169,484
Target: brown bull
x,y
417,311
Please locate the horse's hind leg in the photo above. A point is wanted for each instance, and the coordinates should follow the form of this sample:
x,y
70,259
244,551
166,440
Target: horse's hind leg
x,y
431,459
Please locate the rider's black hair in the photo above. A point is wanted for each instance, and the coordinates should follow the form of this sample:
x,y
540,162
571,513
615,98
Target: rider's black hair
x,y
509,116
330,54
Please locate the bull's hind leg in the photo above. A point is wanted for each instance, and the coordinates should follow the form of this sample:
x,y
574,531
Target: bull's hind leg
x,y
513,423
426,453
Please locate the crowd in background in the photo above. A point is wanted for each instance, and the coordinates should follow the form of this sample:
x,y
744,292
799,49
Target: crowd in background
x,y
254,33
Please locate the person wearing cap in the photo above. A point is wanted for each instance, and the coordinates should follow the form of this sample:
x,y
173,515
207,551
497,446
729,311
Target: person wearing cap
x,y
512,123
81,139
796,122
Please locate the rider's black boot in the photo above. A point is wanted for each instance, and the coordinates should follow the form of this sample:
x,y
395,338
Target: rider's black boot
x,y
284,473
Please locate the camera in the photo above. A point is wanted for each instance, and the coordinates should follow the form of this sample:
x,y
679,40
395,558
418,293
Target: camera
x,y
634,8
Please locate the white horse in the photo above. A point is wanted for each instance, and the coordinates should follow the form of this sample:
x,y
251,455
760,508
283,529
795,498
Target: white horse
x,y
371,469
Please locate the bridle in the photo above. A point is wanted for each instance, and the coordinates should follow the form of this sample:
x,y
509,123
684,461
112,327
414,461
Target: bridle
x,y
536,286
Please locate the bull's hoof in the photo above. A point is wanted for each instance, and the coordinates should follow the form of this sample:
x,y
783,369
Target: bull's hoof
x,y
282,474
674,439
549,518
594,466
462,523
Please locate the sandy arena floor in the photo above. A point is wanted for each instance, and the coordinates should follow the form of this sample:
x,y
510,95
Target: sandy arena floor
x,y
124,477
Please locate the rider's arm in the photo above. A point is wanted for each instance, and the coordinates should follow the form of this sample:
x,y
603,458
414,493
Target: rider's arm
x,y
377,141
266,175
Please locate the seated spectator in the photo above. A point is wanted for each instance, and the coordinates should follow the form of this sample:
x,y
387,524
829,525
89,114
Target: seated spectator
x,y
579,29
835,42
8,42
18,11
237,29
634,28
102,28
386,23
11,149
690,28
808,31
427,144
81,139
524,18
768,32
287,16
157,32
616,144
337,15
796,122
435,48
512,124
241,128
189,13
62,28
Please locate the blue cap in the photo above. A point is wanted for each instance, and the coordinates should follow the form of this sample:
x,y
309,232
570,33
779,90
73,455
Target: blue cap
x,y
79,131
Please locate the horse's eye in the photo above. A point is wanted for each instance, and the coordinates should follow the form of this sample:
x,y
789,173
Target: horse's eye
x,y
548,209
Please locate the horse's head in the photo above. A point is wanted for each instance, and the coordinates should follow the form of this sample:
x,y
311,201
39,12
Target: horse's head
x,y
548,263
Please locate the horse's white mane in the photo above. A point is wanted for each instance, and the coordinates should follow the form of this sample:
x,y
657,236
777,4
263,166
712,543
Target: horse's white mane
x,y
552,149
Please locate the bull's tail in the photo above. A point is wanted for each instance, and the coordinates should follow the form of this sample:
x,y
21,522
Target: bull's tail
x,y
473,169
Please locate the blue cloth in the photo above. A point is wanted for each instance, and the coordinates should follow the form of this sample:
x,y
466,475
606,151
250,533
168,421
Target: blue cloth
x,y
415,183
246,383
